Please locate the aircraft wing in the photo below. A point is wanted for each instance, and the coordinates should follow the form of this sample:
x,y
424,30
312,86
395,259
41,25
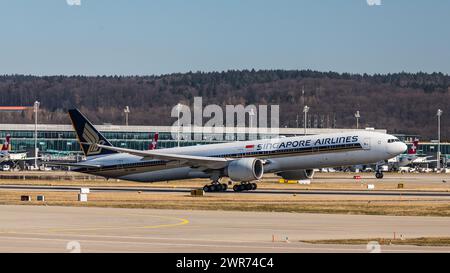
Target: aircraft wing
x,y
425,159
25,158
190,160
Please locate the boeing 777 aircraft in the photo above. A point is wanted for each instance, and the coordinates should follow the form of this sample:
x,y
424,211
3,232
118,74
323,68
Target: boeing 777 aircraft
x,y
244,162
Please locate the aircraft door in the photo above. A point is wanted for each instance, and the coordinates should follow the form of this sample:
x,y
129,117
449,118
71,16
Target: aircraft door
x,y
366,143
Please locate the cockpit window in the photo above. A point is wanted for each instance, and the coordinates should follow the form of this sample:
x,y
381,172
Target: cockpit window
x,y
392,140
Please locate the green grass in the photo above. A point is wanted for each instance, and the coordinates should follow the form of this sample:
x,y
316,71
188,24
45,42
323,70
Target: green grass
x,y
422,241
265,203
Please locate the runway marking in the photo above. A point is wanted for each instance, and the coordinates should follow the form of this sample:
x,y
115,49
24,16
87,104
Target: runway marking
x,y
201,243
329,249
132,237
198,242
181,222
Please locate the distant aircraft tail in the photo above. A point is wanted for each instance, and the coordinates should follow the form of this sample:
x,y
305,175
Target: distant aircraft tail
x,y
154,143
5,146
88,136
414,147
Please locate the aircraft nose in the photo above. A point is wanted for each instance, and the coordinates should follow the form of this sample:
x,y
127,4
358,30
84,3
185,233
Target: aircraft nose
x,y
403,147
397,148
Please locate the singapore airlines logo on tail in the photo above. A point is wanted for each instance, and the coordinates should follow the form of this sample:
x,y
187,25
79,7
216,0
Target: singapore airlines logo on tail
x,y
91,136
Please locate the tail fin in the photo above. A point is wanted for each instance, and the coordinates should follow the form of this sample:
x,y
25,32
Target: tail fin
x,y
414,147
154,143
87,134
5,146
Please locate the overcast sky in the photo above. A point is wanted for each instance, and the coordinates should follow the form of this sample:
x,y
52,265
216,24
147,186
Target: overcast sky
x,y
140,37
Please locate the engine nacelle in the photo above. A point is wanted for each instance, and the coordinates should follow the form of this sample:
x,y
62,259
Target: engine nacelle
x,y
245,169
297,174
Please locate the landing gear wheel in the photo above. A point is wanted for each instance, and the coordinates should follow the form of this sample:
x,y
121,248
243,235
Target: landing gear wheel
x,y
224,187
245,187
215,187
379,175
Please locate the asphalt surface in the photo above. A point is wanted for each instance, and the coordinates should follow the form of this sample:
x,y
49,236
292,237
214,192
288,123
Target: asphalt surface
x,y
66,229
258,191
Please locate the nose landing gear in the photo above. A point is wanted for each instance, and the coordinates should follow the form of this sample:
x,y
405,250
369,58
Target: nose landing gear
x,y
378,170
379,175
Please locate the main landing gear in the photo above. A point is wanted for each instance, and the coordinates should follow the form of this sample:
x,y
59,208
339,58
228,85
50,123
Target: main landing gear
x,y
245,187
215,187
379,175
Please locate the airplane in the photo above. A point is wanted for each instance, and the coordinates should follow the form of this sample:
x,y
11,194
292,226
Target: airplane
x,y
292,158
7,156
4,152
411,158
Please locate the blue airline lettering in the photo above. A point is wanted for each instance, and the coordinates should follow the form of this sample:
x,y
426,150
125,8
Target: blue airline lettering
x,y
307,143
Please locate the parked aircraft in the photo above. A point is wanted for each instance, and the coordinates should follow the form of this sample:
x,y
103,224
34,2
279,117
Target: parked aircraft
x,y
409,159
5,153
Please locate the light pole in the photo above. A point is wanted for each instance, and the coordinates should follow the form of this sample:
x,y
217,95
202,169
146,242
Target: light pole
x,y
438,165
35,110
305,111
357,116
303,95
126,111
251,114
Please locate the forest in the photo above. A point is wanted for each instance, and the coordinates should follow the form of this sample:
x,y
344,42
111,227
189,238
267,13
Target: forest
x,y
402,103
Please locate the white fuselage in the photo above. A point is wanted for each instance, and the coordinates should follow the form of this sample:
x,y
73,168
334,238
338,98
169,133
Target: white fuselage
x,y
281,154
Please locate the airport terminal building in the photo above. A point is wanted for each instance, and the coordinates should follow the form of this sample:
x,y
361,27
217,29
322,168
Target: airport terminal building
x,y
61,139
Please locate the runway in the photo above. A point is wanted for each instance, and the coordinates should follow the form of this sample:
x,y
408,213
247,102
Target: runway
x,y
64,229
410,193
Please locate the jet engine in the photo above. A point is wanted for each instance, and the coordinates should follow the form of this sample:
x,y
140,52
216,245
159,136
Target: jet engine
x,y
297,174
245,169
